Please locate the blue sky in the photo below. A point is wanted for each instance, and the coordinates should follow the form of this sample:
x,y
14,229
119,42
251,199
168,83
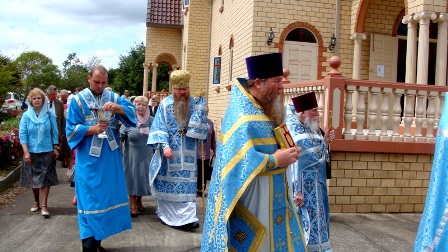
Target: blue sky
x,y
102,28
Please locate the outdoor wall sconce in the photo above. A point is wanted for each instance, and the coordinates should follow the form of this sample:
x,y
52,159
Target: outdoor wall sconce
x,y
270,35
332,43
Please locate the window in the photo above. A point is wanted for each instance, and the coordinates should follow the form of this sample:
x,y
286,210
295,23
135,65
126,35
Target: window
x,y
230,65
217,70
221,9
301,35
185,4
231,59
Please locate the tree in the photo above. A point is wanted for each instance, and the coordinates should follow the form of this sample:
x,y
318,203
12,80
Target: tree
x,y
10,78
163,77
37,70
74,72
93,61
129,74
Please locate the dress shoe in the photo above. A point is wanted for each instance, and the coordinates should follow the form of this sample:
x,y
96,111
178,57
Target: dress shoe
x,y
101,249
140,208
35,208
134,212
45,213
189,226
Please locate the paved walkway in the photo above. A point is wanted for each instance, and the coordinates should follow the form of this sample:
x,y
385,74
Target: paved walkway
x,y
21,230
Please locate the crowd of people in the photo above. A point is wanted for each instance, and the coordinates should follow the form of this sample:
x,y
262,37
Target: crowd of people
x,y
123,148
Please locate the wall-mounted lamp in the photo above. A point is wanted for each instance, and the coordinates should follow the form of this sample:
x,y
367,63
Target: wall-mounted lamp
x,y
270,35
332,43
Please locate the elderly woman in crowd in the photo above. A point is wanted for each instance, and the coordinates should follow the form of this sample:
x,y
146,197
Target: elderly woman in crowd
x,y
38,134
137,155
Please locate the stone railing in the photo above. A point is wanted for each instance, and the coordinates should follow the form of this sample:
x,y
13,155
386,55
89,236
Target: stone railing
x,y
372,116
162,94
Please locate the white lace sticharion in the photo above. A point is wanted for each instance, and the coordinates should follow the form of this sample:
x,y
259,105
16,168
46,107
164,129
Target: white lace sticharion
x,y
439,232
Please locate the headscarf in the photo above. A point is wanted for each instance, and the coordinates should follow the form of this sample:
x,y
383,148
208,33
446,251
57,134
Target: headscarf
x,y
40,120
144,127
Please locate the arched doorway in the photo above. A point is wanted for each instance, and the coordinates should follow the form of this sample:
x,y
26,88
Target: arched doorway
x,y
300,55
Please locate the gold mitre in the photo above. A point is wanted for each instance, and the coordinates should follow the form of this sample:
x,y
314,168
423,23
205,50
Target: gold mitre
x,y
180,79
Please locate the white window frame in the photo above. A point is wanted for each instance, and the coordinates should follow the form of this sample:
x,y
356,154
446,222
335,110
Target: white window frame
x,y
185,4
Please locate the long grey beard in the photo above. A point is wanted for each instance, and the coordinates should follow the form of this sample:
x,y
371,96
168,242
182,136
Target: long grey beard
x,y
275,110
312,125
182,113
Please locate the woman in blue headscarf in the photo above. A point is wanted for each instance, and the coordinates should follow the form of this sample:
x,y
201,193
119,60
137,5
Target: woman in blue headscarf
x,y
38,134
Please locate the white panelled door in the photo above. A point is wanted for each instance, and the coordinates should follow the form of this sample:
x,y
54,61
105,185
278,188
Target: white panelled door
x,y
383,58
383,67
301,60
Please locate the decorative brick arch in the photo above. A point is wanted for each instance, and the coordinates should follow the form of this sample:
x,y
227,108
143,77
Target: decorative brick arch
x,y
167,59
321,48
397,22
361,14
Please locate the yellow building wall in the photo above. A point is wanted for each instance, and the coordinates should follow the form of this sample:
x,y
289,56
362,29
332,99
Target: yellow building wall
x,y
196,44
372,182
248,22
234,21
163,40
416,6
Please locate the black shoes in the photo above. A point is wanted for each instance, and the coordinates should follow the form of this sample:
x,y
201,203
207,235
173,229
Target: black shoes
x,y
189,226
186,227
101,249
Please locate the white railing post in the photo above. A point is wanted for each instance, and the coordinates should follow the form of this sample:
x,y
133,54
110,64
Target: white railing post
x,y
320,100
430,114
348,113
360,113
396,115
419,111
441,101
373,107
385,114
409,114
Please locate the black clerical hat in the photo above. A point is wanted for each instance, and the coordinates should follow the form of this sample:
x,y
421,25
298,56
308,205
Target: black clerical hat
x,y
305,102
264,66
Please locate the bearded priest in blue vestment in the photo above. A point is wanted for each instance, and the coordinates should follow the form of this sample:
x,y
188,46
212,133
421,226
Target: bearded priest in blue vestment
x,y
248,207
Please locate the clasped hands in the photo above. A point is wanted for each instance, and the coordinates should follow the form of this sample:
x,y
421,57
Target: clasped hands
x,y
286,157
